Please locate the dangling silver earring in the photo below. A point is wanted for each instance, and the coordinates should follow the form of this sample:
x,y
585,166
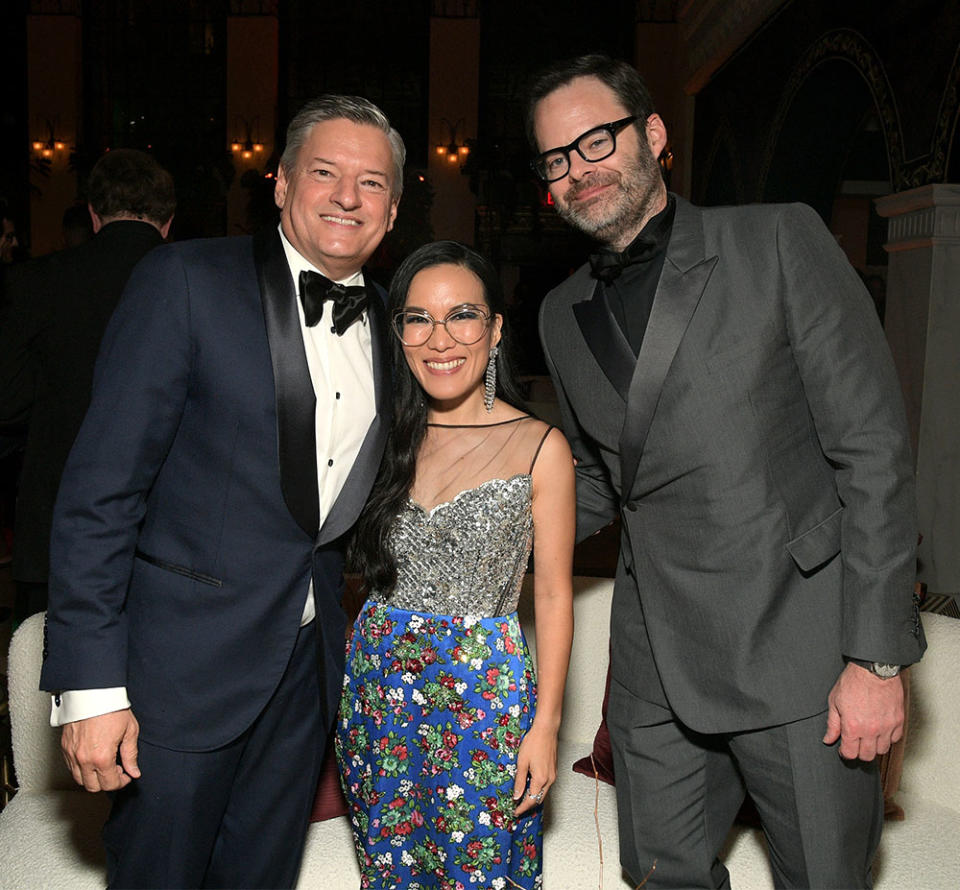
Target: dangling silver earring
x,y
490,380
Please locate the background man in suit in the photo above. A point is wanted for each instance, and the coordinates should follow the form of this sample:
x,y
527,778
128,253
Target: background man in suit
x,y
9,243
728,392
197,553
76,225
58,310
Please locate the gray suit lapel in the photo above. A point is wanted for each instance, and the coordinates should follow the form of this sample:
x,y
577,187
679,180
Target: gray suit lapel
x,y
353,495
605,339
682,282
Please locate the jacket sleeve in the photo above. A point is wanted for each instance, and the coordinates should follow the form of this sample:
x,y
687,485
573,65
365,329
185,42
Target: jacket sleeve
x,y
856,404
139,391
597,502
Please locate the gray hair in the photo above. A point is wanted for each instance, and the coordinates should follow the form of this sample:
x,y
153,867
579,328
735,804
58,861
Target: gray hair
x,y
352,108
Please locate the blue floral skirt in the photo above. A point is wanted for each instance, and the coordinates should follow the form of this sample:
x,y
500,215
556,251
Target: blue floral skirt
x,y
433,711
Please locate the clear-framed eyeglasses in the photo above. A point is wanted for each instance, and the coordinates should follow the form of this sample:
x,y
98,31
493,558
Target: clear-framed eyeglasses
x,y
466,324
594,145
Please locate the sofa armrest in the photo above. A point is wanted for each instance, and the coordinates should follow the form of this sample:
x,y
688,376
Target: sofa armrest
x,y
931,768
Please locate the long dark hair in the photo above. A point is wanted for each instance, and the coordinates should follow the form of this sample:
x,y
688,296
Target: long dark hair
x,y
371,554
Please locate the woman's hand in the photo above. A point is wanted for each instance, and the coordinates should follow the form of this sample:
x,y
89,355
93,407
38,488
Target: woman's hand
x,y
536,768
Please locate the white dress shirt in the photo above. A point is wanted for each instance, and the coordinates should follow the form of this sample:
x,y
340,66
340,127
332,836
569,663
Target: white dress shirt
x,y
341,370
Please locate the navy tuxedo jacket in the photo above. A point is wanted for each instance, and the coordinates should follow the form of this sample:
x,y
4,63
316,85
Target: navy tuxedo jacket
x,y
757,453
187,525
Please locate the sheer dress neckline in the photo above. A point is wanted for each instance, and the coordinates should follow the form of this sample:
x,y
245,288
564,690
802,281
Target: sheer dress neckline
x,y
478,426
455,460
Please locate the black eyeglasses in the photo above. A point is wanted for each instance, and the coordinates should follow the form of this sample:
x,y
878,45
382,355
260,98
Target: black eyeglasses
x,y
466,324
594,145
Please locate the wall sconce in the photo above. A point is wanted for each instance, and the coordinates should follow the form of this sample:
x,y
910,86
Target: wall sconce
x,y
247,147
454,150
46,148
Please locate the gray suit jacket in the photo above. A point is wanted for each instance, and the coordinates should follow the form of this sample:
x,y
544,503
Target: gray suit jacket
x,y
757,452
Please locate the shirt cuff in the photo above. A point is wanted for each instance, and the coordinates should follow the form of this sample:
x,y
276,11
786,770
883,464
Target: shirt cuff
x,y
79,704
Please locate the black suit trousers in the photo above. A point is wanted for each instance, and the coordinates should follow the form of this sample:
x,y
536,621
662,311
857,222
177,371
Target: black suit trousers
x,y
233,817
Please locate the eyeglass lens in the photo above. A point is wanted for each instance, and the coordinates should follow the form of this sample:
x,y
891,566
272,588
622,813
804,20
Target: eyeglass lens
x,y
466,326
594,145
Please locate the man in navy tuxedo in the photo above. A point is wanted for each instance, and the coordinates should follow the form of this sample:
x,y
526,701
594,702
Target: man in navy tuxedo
x,y
234,432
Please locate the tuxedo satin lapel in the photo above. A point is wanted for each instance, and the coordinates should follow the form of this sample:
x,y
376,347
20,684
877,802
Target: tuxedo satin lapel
x,y
380,341
606,341
359,481
682,282
296,400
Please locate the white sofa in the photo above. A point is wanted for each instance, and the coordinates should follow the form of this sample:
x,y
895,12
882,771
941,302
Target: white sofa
x,y
49,833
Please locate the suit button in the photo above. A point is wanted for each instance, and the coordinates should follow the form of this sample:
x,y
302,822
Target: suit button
x,y
631,508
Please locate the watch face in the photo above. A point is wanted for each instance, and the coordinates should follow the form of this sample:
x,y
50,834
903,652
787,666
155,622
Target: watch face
x,y
886,671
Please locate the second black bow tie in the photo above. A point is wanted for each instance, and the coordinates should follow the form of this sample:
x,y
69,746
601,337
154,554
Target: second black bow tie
x,y
349,301
607,264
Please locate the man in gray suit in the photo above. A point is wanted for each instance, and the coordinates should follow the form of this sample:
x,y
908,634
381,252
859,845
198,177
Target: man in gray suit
x,y
727,392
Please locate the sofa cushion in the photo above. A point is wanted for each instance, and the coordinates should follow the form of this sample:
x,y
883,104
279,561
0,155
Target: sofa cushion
x,y
599,762
52,839
580,822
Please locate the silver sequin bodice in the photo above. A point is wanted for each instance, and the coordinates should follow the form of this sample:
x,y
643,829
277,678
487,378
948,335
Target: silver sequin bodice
x,y
466,556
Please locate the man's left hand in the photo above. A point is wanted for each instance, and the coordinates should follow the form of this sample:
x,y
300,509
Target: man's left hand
x,y
865,712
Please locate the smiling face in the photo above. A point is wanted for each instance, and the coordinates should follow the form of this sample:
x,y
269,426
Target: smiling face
x,y
450,373
611,199
337,202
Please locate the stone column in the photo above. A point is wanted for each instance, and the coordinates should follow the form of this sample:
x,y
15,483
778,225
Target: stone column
x,y
923,328
453,109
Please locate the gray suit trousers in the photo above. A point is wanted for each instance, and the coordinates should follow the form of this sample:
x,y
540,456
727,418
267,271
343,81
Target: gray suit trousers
x,y
678,792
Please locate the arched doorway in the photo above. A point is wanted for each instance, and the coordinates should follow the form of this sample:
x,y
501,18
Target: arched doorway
x,y
831,151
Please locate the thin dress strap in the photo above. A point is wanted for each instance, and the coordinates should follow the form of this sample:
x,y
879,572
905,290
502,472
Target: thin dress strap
x,y
536,454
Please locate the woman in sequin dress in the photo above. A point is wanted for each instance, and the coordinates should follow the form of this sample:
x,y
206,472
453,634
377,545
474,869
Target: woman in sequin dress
x,y
446,740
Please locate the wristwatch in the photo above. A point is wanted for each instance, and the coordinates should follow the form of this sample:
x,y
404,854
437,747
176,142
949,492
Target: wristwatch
x,y
878,668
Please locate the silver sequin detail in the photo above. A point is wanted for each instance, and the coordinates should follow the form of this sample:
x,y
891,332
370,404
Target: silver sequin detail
x,y
466,556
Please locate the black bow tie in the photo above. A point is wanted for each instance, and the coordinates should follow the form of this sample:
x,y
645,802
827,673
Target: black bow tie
x,y
348,301
607,264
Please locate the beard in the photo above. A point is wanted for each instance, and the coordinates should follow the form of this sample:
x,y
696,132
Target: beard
x,y
615,218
